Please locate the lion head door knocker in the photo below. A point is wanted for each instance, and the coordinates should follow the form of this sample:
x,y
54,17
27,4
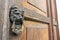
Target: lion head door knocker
x,y
16,18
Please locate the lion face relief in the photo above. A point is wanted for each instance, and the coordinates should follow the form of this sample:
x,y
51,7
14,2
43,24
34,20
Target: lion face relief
x,y
16,18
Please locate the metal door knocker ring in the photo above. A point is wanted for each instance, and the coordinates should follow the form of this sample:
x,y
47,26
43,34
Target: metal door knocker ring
x,y
16,18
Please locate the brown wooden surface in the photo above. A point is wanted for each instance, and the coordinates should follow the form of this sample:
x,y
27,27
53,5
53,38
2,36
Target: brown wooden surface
x,y
28,13
54,13
38,5
49,13
55,33
29,6
1,17
38,22
57,27
37,33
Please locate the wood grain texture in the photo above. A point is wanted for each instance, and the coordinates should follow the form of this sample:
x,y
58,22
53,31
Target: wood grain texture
x,y
40,4
57,27
36,16
31,7
28,23
2,2
37,34
55,33
54,22
35,23
36,31
49,11
53,9
5,27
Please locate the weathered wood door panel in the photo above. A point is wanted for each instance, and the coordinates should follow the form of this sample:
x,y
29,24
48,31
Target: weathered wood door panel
x,y
36,31
38,22
37,34
36,6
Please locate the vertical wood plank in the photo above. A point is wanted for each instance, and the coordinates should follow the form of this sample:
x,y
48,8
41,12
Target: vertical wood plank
x,y
57,28
55,33
49,13
5,21
24,34
2,2
54,13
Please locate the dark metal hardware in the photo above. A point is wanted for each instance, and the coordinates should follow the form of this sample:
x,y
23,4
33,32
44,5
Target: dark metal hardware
x,y
16,19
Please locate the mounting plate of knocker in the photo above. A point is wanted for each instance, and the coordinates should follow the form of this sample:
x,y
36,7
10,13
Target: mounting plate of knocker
x,y
16,17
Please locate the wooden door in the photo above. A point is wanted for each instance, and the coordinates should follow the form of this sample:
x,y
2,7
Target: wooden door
x,y
38,21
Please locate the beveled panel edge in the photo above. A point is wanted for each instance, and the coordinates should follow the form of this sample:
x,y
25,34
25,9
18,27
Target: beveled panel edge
x,y
36,6
31,14
36,26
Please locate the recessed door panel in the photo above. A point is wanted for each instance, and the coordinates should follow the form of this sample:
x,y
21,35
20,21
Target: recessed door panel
x,y
37,33
38,6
